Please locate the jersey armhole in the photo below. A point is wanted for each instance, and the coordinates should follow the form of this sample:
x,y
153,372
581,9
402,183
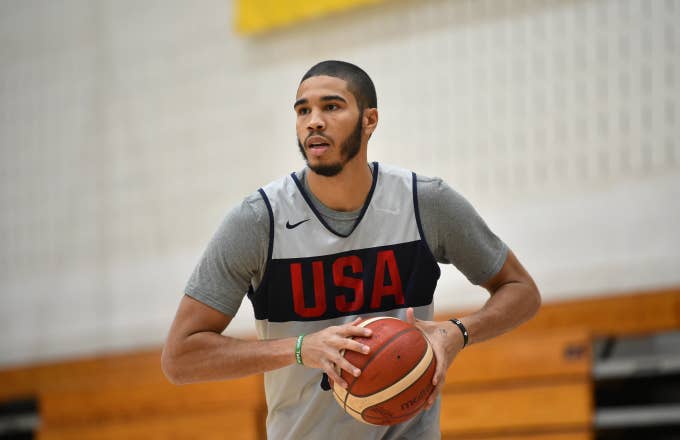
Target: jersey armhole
x,y
414,186
270,248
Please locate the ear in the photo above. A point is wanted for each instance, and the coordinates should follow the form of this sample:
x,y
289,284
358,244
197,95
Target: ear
x,y
370,121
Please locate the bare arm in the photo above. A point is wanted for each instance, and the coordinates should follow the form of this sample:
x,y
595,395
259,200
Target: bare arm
x,y
514,300
196,350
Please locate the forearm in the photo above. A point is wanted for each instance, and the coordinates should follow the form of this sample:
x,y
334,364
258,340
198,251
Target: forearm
x,y
209,356
509,306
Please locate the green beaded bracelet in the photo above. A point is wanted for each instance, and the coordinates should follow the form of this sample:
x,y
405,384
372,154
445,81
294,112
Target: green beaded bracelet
x,y
298,349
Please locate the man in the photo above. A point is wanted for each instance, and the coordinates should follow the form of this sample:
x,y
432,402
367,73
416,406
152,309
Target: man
x,y
320,249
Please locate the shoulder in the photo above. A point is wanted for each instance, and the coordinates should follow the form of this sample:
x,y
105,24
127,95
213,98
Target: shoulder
x,y
445,206
254,208
426,186
393,180
435,192
392,170
250,214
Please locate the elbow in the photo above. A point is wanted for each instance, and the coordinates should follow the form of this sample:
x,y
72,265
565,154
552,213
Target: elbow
x,y
535,299
171,369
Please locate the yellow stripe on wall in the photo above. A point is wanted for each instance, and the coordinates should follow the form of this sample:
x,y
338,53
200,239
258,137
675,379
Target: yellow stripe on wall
x,y
255,16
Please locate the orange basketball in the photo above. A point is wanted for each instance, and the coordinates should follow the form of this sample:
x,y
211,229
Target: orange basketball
x,y
396,375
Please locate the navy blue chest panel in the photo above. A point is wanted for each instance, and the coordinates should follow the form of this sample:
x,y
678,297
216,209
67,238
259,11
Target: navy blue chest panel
x,y
349,283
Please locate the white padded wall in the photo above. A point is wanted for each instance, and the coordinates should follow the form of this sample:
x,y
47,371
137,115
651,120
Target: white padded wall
x,y
129,128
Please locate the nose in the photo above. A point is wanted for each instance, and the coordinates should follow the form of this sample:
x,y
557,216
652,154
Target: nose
x,y
316,121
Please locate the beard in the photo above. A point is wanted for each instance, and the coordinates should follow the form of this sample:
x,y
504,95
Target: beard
x,y
348,150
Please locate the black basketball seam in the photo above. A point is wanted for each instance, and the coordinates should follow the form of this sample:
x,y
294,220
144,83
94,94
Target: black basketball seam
x,y
403,391
407,414
370,359
373,355
338,396
381,349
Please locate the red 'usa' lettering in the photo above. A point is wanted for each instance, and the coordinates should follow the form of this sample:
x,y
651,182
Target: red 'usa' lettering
x,y
386,263
386,258
356,284
319,306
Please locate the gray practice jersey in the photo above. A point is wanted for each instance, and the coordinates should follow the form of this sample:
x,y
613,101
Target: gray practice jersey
x,y
306,267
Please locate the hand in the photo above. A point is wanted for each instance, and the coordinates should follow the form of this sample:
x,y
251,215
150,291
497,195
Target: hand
x,y
446,343
323,349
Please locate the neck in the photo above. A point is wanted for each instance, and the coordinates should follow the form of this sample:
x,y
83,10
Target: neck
x,y
346,191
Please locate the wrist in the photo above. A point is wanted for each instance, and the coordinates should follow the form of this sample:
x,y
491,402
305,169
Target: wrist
x,y
463,331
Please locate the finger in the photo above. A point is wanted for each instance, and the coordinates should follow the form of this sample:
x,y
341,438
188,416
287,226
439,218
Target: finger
x,y
440,369
351,344
437,374
334,378
345,365
353,330
333,371
410,316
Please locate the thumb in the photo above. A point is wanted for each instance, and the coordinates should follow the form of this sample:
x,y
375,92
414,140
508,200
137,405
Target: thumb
x,y
410,316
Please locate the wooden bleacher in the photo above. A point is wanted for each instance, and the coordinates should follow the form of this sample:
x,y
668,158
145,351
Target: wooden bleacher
x,y
533,383
520,386
127,396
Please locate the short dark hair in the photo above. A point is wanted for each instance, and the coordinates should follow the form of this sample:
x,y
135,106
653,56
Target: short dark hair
x,y
358,81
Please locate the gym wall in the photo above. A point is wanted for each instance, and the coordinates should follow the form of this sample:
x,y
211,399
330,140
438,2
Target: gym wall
x,y
129,128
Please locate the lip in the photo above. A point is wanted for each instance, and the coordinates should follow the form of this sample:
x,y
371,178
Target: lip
x,y
317,151
317,142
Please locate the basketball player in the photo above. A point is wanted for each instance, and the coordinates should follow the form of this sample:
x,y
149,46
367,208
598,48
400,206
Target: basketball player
x,y
317,250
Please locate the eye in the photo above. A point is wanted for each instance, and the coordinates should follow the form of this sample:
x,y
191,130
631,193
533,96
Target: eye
x,y
302,111
332,107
